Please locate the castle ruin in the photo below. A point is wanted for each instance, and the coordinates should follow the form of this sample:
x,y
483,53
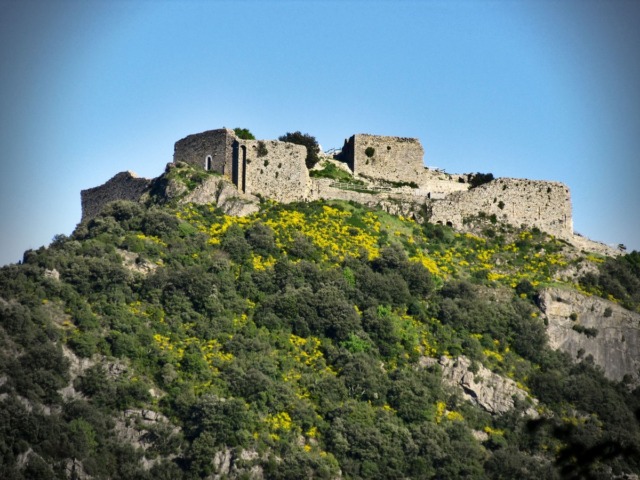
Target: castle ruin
x,y
269,168
277,170
395,159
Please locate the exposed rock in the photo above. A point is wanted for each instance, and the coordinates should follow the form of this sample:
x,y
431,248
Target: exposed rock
x,y
115,369
480,435
228,463
222,463
174,189
23,458
75,469
135,263
336,163
145,415
142,428
492,392
585,326
55,312
223,194
77,366
54,274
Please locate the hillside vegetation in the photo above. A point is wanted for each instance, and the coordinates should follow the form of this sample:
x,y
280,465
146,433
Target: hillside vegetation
x,y
172,341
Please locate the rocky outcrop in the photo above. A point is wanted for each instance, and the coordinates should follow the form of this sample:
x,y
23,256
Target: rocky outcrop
x,y
490,391
228,463
223,194
586,326
134,262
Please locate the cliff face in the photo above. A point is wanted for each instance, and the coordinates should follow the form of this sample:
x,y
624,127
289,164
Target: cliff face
x,y
222,193
591,326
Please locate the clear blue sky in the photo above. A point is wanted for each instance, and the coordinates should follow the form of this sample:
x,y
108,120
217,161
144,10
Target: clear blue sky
x,y
536,89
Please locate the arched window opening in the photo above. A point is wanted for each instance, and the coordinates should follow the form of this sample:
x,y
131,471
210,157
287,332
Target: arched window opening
x,y
208,163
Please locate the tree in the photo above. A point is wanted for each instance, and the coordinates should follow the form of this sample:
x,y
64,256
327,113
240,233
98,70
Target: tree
x,y
243,133
477,179
313,149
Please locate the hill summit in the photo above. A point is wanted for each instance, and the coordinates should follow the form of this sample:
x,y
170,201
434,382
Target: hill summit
x,y
192,327
372,170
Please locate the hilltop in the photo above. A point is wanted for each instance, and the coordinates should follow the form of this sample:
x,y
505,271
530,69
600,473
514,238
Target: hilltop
x,y
194,330
378,171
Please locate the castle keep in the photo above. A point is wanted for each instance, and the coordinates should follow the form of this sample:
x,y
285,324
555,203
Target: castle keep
x,y
388,170
267,167
396,159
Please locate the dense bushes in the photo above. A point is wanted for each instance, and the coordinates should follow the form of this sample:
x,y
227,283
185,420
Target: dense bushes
x,y
618,277
292,339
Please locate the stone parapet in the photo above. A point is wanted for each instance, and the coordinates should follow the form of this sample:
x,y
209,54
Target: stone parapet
x,y
123,186
532,203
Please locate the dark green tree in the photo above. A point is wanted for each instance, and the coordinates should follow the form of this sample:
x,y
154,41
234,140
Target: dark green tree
x,y
243,133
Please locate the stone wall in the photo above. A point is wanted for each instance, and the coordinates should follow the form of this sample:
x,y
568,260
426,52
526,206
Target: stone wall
x,y
391,158
273,169
270,168
534,203
277,170
210,150
123,186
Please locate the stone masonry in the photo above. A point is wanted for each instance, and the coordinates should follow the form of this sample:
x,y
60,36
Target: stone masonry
x,y
270,168
277,170
273,169
123,186
534,203
211,150
396,159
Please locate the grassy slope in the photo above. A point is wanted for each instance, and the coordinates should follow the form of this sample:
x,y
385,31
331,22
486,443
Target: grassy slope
x,y
294,334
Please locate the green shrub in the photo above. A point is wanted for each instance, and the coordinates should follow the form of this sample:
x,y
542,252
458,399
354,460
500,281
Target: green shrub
x,y
243,133
589,332
262,151
477,179
331,171
370,152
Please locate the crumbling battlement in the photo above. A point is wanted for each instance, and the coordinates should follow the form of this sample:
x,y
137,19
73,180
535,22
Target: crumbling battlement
x,y
123,186
211,150
397,159
535,203
270,168
277,170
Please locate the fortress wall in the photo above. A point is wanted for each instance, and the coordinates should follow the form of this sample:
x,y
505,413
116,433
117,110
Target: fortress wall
x,y
395,158
535,203
216,144
281,174
123,186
